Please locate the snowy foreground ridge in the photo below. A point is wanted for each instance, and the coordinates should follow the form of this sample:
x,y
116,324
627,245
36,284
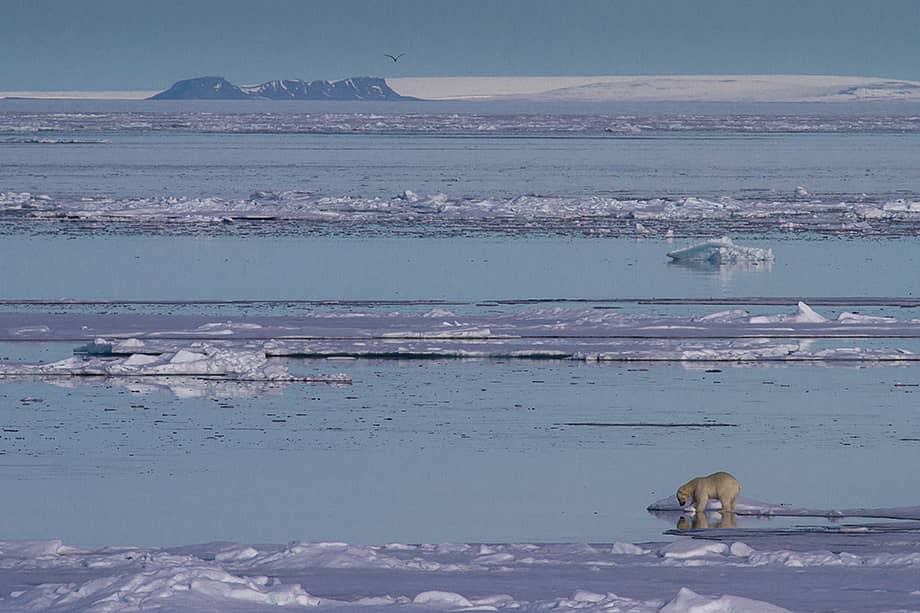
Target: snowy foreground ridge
x,y
244,578
715,570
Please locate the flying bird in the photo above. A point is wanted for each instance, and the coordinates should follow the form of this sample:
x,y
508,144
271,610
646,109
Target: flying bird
x,y
395,58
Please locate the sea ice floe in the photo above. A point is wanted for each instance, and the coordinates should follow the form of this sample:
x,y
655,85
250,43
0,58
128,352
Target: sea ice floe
x,y
439,123
721,252
296,211
748,506
857,318
238,363
246,349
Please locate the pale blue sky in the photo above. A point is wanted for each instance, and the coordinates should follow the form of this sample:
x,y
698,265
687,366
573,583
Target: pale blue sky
x,y
148,44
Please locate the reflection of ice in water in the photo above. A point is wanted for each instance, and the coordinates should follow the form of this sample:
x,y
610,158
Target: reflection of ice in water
x,y
240,362
721,251
166,346
724,258
189,370
727,274
180,387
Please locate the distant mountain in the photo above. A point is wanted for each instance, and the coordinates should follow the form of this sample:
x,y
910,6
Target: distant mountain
x,y
218,88
202,88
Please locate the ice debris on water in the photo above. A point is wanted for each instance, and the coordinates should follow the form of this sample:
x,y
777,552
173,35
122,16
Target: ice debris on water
x,y
721,251
522,213
804,314
857,318
196,360
247,349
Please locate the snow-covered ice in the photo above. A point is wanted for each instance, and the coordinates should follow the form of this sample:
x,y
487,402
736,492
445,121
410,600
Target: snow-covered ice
x,y
129,345
710,571
520,214
804,315
477,121
748,506
198,360
529,448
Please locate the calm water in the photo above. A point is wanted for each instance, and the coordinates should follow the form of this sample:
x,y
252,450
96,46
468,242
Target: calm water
x,y
431,450
467,268
445,451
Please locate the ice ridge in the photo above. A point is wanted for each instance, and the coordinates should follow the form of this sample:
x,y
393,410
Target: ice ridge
x,y
594,215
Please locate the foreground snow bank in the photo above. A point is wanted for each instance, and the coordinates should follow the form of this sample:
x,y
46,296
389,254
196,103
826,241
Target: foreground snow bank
x,y
729,570
49,576
689,602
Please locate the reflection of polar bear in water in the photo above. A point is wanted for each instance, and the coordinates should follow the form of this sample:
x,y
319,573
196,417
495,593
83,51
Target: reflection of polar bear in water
x,y
719,485
700,521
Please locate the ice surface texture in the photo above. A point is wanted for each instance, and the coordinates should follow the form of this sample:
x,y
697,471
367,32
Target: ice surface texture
x,y
244,349
732,576
748,506
449,123
291,211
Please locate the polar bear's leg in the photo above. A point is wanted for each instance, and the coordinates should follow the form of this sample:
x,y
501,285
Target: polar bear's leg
x,y
729,506
700,502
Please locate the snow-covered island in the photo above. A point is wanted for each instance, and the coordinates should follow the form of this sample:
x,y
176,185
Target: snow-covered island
x,y
219,88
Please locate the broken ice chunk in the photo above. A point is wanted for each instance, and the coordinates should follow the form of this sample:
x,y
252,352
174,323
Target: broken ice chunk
x,y
721,251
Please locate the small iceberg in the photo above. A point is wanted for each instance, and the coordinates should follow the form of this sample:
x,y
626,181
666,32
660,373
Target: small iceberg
x,y
721,251
804,314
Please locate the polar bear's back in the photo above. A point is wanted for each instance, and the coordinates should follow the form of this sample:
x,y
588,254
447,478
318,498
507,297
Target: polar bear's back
x,y
714,485
722,477
723,483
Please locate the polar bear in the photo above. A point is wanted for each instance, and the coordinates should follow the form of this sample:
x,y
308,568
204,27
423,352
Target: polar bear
x,y
719,485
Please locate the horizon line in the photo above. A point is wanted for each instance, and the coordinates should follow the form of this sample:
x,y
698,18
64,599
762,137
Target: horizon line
x,y
481,87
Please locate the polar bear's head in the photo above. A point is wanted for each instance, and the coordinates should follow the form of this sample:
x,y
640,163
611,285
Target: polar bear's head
x,y
684,493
